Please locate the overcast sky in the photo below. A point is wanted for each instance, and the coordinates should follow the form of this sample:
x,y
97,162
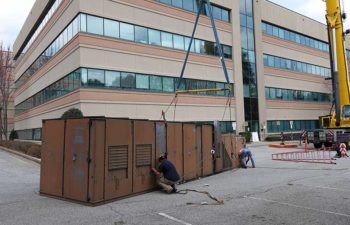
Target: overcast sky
x,y
14,13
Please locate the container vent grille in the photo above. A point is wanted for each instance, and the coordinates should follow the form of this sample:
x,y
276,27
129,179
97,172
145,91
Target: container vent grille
x,y
143,155
117,157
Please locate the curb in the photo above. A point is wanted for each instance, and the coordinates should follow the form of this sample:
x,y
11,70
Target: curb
x,y
36,160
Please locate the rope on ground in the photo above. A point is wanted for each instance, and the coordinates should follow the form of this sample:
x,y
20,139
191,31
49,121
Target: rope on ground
x,y
217,201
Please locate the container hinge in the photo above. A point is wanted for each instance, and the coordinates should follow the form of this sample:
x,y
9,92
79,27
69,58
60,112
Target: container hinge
x,y
88,199
88,160
90,123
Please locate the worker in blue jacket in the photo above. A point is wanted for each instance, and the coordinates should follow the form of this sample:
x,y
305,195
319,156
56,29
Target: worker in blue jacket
x,y
167,175
244,156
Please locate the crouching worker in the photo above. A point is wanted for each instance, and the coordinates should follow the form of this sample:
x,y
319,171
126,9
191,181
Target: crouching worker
x,y
244,156
167,175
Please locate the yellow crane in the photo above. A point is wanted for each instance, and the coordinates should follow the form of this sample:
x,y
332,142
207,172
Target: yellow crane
x,y
337,124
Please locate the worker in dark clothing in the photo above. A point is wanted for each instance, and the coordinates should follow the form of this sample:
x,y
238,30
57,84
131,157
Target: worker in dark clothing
x,y
167,175
244,156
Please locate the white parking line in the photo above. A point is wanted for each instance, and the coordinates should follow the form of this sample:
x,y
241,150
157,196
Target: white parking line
x,y
174,219
298,206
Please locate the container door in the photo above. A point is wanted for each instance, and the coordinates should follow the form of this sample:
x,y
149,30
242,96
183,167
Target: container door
x,y
97,156
51,173
190,154
174,146
144,156
219,162
207,145
118,158
199,151
76,160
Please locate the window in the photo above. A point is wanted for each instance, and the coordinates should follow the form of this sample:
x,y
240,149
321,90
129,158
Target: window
x,y
94,25
84,78
127,80
217,13
168,84
142,81
127,31
141,34
83,22
96,78
179,42
177,3
156,83
188,5
154,37
111,28
167,40
112,79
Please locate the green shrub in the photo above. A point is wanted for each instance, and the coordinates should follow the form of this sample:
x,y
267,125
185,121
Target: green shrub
x,y
247,136
28,148
13,135
72,113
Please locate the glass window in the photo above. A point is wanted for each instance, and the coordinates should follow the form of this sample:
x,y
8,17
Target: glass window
x,y
70,31
96,78
141,34
94,25
127,31
112,79
250,22
167,39
127,80
75,26
111,28
168,84
225,15
142,81
271,61
187,43
179,42
84,78
188,5
243,20
156,83
217,13
154,37
83,22
177,3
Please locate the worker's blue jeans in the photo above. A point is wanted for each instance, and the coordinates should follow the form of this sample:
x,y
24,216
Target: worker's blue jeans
x,y
243,159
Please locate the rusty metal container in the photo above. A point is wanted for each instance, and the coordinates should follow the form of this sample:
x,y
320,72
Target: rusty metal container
x,y
51,173
190,154
144,156
94,160
174,146
219,161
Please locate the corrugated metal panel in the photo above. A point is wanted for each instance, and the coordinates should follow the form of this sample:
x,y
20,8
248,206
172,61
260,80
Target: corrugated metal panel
x,y
144,156
51,173
97,156
174,146
76,170
207,145
199,151
190,154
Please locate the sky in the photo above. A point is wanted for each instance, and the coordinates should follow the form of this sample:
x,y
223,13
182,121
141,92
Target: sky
x,y
16,11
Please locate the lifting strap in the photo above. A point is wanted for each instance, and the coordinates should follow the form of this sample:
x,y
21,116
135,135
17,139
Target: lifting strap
x,y
216,201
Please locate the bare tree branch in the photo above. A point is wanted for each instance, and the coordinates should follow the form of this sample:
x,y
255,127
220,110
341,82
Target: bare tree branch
x,y
6,87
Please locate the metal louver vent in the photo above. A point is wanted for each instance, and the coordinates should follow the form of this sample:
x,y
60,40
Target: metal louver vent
x,y
117,157
143,155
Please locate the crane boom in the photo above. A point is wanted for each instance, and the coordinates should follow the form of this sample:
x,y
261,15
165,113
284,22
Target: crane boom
x,y
340,118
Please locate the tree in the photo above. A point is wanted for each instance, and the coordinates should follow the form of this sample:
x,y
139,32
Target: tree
x,y
6,88
72,113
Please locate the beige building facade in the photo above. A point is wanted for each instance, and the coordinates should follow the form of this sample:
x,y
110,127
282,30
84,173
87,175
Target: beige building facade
x,y
122,58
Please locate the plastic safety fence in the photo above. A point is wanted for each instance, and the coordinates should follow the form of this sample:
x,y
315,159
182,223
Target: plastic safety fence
x,y
310,156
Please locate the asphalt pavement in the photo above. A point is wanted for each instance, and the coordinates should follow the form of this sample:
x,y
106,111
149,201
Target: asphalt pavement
x,y
273,193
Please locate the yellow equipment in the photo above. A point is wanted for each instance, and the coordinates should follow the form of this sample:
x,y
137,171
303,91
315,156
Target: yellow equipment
x,y
340,117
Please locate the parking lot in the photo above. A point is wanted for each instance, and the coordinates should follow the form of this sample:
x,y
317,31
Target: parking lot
x,y
273,193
